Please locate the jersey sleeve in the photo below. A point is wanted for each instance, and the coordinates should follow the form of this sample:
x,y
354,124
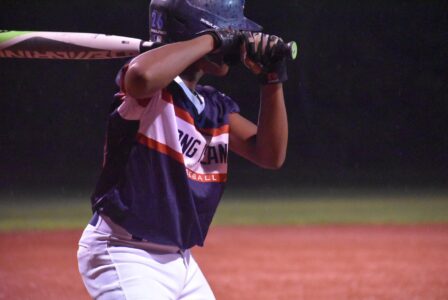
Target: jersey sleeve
x,y
230,104
221,100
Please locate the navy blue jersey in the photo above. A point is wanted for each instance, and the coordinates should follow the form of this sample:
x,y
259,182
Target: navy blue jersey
x,y
165,164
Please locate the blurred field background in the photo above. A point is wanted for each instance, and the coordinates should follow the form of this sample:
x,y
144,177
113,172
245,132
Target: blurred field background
x,y
45,211
366,99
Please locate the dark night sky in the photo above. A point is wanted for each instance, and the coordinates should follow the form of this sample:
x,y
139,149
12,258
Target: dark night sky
x,y
367,97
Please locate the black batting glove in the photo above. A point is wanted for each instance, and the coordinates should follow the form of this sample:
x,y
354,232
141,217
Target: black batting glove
x,y
263,56
274,73
225,40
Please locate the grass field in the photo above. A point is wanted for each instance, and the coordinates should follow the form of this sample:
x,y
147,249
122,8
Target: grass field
x,y
37,212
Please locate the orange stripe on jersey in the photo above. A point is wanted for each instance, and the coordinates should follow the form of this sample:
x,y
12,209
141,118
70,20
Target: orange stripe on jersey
x,y
159,147
206,177
215,131
185,115
180,113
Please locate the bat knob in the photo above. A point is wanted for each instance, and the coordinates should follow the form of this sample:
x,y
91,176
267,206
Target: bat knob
x,y
286,50
292,50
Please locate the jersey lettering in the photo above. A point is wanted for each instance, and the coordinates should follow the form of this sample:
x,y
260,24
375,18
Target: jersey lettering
x,y
215,154
188,144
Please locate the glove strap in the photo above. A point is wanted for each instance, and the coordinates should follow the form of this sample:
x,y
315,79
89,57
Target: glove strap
x,y
274,74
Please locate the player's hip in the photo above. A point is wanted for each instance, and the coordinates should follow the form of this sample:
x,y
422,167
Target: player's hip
x,y
109,260
103,231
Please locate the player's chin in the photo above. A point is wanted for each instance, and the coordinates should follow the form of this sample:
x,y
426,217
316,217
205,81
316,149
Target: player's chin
x,y
215,67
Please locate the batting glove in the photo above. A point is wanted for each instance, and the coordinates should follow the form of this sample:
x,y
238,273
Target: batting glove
x,y
226,40
262,55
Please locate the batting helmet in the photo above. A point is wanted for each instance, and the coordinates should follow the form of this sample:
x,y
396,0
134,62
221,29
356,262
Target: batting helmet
x,y
179,20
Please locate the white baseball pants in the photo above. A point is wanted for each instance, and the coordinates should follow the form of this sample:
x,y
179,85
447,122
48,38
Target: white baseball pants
x,y
113,266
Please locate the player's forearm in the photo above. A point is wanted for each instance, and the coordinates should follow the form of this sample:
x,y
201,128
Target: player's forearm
x,y
272,132
155,69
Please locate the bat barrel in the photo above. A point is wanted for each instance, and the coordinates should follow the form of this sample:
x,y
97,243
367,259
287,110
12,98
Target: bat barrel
x,y
66,45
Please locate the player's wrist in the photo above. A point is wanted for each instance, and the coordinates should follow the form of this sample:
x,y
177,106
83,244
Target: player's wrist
x,y
271,89
208,41
224,40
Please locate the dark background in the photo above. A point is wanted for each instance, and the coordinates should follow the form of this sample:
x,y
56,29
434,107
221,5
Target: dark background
x,y
367,97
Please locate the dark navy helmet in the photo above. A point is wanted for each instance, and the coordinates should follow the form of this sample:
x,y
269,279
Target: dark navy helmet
x,y
179,20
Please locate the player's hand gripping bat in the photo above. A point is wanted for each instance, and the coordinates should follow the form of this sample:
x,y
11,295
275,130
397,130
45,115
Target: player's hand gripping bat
x,y
79,46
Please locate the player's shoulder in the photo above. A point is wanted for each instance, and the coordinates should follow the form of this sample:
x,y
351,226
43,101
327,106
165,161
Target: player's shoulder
x,y
210,91
216,97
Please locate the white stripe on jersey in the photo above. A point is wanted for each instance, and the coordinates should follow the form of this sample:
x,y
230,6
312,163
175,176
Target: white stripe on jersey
x,y
158,122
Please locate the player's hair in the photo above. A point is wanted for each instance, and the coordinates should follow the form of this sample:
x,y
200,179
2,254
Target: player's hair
x,y
178,20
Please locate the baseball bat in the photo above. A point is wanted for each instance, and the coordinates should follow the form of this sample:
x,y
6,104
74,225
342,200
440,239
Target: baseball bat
x,y
290,50
81,46
68,45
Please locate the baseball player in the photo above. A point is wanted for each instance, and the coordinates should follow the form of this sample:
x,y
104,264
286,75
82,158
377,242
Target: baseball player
x,y
166,150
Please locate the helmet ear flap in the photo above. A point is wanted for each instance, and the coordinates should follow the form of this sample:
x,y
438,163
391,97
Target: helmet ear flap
x,y
168,28
178,29
158,30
